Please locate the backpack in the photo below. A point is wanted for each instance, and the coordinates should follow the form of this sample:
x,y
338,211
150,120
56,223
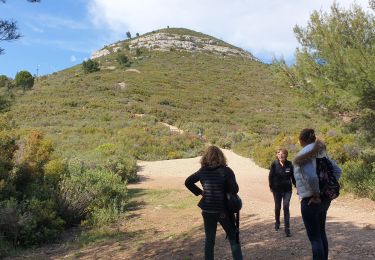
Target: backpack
x,y
328,184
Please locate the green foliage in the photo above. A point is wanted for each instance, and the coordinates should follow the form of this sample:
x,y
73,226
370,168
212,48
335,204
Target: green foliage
x,y
340,146
28,212
230,101
138,52
9,30
335,65
129,35
39,221
265,150
90,66
359,177
24,79
29,222
54,170
92,195
5,82
123,60
124,166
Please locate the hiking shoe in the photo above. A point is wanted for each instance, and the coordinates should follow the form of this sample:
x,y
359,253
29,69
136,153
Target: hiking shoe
x,y
277,226
287,233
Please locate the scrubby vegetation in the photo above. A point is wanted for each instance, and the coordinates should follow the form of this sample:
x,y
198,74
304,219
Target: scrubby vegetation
x,y
334,68
24,80
40,194
90,66
79,134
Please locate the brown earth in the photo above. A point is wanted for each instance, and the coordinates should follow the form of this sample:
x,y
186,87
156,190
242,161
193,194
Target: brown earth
x,y
163,231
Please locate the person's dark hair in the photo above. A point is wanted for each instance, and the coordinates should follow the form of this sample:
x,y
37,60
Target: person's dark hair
x,y
213,157
307,135
284,151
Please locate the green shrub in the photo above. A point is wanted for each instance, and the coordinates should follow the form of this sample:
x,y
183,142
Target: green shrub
x,y
54,170
6,248
123,60
83,193
29,222
24,79
359,177
5,82
138,52
123,166
264,152
28,213
90,66
114,158
40,222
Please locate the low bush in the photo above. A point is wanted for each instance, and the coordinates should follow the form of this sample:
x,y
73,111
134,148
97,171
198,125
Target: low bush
x,y
359,177
123,60
90,66
28,213
90,194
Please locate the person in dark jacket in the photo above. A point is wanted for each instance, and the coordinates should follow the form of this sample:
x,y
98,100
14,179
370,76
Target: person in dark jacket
x,y
217,179
281,179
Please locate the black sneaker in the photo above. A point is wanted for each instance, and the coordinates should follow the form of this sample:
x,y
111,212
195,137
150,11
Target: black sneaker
x,y
277,226
287,233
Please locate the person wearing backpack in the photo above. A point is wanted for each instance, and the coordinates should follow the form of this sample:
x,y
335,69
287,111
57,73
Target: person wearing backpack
x,y
314,204
217,180
280,179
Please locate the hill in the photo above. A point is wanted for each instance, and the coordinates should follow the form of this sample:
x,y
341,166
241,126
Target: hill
x,y
102,122
200,84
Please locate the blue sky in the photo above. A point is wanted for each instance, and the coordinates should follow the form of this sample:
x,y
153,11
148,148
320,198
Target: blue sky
x,y
60,34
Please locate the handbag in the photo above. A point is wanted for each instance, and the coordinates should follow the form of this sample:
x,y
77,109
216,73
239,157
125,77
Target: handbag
x,y
233,203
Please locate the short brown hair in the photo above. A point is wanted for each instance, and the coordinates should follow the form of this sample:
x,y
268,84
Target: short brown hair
x,y
213,157
283,150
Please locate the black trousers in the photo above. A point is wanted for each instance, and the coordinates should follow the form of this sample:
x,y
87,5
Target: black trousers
x,y
210,226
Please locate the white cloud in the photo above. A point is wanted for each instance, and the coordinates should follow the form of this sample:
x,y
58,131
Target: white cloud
x,y
73,58
261,27
34,28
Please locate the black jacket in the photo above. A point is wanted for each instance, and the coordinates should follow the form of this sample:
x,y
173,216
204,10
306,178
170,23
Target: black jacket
x,y
216,182
281,177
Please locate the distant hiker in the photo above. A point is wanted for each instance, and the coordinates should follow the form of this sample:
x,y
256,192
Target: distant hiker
x,y
280,180
217,180
314,206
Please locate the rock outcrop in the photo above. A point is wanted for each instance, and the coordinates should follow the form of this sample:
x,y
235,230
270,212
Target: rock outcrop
x,y
162,41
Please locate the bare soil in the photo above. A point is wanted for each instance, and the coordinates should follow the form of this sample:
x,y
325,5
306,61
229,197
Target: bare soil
x,y
152,231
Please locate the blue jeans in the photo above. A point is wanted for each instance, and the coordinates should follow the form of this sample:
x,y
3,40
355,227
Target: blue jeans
x,y
210,225
314,217
285,198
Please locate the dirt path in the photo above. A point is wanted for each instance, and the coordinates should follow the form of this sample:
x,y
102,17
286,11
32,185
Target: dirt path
x,y
351,222
165,223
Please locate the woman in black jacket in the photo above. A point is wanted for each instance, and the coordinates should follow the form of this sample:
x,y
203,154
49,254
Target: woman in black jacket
x,y
217,179
280,181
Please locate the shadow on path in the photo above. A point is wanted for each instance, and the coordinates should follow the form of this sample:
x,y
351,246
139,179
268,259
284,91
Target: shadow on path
x,y
260,241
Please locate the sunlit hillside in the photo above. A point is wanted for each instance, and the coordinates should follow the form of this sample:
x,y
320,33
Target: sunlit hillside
x,y
213,90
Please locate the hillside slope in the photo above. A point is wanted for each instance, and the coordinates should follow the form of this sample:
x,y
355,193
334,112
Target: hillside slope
x,y
227,97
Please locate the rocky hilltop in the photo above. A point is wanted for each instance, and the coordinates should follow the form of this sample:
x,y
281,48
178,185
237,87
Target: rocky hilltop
x,y
176,39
